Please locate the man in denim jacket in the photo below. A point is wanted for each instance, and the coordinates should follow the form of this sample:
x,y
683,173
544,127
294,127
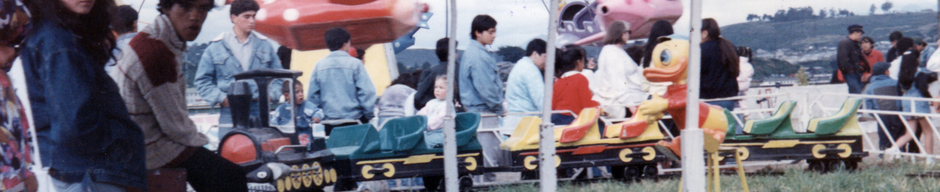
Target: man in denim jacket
x,y
525,89
340,84
883,85
480,85
235,52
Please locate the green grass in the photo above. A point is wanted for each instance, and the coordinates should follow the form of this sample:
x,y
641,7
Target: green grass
x,y
871,177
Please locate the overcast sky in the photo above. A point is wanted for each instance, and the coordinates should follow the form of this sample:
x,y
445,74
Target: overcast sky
x,y
522,20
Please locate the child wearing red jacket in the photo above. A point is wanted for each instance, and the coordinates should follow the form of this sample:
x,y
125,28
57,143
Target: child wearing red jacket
x,y
571,90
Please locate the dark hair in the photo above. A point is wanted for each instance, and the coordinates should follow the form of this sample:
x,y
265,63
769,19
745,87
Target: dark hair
x,y
360,53
896,35
336,37
869,39
745,52
635,52
285,88
566,59
729,56
923,81
615,32
481,23
904,44
167,4
92,29
660,28
408,79
442,50
123,18
241,6
908,69
535,46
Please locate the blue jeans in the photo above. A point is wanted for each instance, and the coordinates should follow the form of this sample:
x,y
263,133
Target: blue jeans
x,y
854,81
433,138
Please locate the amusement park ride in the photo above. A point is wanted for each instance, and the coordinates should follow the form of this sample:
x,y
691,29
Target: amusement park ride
x,y
275,161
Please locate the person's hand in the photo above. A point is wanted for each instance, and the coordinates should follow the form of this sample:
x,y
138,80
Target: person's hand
x,y
591,64
224,102
316,120
866,77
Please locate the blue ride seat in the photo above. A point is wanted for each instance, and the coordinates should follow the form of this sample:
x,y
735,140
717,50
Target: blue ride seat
x,y
780,120
466,127
402,134
346,140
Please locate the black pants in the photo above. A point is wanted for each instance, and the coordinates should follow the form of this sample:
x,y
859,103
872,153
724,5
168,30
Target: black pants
x,y
207,171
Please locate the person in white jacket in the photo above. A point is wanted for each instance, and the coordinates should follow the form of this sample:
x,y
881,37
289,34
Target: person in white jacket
x,y
744,77
618,80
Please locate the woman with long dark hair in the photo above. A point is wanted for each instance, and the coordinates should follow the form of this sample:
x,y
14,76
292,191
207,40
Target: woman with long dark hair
x,y
660,28
719,66
85,134
618,81
916,89
571,90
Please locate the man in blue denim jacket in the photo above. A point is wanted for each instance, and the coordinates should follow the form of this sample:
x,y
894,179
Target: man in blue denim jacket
x,y
525,89
883,85
340,84
480,85
235,52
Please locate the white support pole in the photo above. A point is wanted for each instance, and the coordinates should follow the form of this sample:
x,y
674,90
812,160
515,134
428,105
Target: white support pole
x,y
693,160
450,141
548,178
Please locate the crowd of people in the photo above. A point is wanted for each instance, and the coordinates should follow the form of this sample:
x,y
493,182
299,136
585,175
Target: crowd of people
x,y
108,102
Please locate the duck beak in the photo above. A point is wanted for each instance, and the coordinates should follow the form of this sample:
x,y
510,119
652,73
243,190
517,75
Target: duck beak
x,y
667,74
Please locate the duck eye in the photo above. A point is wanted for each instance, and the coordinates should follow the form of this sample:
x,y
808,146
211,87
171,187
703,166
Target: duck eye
x,y
665,56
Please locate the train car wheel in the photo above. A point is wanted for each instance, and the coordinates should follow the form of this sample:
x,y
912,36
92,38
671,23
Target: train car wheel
x,y
466,182
650,171
617,171
816,165
836,165
529,175
633,173
433,183
851,164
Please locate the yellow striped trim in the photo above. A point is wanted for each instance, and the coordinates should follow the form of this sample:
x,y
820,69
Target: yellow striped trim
x,y
414,159
785,143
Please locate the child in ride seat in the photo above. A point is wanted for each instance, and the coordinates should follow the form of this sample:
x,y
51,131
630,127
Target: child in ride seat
x,y
305,111
571,89
436,110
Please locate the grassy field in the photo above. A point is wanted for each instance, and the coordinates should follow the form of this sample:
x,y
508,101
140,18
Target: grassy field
x,y
870,177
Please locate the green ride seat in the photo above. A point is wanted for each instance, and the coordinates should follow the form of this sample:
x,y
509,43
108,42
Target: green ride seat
x,y
466,129
351,139
402,134
780,120
844,118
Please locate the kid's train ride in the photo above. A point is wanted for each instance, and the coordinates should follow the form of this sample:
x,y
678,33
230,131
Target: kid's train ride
x,y
276,161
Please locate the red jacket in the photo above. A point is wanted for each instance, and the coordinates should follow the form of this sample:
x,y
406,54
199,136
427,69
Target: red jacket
x,y
874,57
572,93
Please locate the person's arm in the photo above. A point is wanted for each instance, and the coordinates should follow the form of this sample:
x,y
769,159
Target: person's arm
x,y
483,77
365,92
933,64
585,94
842,57
169,110
70,89
275,87
205,81
536,90
313,90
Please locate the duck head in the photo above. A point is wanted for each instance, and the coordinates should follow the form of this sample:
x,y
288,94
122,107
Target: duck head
x,y
670,61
